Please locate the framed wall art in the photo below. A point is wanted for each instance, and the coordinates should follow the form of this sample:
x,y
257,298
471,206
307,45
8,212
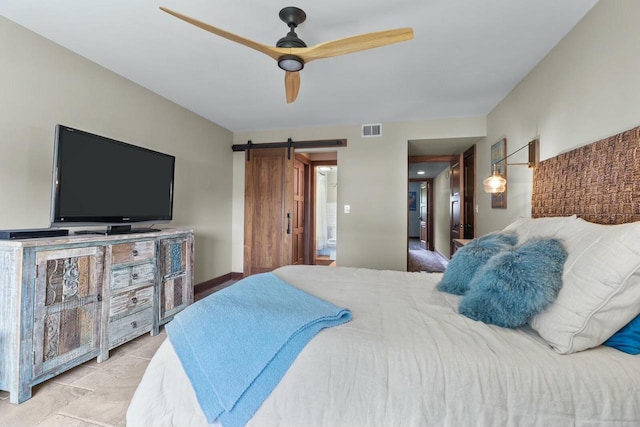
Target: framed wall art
x,y
498,154
412,200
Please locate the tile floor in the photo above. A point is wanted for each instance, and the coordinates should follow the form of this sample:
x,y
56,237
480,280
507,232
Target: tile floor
x,y
92,394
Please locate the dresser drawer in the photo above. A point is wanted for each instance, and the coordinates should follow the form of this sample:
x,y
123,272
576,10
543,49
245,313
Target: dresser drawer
x,y
124,253
129,327
128,302
135,276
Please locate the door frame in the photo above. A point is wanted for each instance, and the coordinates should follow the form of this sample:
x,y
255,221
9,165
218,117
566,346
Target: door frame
x,y
308,207
430,219
444,158
311,241
470,218
456,162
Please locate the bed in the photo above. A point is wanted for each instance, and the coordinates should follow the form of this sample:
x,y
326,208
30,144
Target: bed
x,y
408,357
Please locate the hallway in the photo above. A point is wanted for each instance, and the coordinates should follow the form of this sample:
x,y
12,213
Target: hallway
x,y
420,259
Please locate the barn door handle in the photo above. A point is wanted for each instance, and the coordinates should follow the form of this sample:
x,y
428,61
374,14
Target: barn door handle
x,y
288,222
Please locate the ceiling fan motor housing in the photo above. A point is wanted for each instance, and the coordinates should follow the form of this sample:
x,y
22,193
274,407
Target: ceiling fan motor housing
x,y
291,40
292,16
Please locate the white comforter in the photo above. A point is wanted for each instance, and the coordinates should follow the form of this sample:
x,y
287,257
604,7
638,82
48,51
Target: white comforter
x,y
409,359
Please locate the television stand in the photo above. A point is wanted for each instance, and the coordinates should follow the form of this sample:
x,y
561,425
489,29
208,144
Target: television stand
x,y
116,288
118,229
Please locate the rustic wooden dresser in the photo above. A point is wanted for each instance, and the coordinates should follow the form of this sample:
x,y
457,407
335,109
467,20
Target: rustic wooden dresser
x,y
66,300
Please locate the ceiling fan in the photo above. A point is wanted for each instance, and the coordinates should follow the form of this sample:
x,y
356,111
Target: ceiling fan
x,y
292,53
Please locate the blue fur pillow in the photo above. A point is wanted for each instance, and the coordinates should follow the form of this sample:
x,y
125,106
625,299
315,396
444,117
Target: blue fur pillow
x,y
627,339
469,258
517,284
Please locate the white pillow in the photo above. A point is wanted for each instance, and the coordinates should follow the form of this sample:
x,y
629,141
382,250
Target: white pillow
x,y
528,228
601,286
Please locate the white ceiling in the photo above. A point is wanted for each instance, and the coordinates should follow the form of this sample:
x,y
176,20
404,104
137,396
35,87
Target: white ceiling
x,y
465,57
439,147
435,147
430,169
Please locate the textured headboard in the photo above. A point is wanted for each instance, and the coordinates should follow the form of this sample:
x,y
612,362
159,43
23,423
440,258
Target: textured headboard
x,y
599,182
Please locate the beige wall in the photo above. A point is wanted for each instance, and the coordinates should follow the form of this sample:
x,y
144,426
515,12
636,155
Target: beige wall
x,y
372,179
584,90
44,84
587,88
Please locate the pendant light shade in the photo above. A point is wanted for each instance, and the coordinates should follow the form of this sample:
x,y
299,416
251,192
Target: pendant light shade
x,y
495,183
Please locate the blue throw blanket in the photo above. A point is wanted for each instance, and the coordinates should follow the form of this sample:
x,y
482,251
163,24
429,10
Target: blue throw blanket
x,y
236,344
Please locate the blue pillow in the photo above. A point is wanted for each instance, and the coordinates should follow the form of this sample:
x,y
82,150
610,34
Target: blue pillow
x,y
469,258
627,339
516,284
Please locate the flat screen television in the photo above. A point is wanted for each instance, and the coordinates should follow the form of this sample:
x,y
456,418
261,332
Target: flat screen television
x,y
101,181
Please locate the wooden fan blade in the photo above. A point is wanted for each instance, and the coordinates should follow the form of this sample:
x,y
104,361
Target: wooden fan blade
x,y
353,44
292,85
273,52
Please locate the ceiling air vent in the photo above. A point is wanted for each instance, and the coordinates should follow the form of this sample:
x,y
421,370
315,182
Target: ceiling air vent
x,y
369,131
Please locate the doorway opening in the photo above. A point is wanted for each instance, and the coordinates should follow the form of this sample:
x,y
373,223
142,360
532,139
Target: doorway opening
x,y
279,208
321,232
453,187
421,215
326,214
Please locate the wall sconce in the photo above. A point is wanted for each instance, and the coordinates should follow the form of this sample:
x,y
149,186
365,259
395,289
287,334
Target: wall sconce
x,y
496,182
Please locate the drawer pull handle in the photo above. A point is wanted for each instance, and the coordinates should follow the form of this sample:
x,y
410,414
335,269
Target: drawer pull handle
x,y
134,324
134,276
134,252
134,300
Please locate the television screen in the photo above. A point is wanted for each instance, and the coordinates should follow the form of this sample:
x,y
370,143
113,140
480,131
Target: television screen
x,y
97,180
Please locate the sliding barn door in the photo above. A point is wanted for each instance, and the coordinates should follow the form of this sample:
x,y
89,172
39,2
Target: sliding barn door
x,y
268,210
298,220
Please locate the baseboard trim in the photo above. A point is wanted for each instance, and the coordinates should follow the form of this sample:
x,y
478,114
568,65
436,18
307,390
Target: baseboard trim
x,y
440,253
215,282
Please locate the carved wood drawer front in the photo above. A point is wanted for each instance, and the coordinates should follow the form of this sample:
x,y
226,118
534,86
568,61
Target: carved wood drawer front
x,y
173,297
173,257
128,302
123,253
135,276
130,327
67,306
176,289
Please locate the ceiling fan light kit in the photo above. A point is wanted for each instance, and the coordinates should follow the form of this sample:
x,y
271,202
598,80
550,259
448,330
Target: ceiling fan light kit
x,y
290,63
292,53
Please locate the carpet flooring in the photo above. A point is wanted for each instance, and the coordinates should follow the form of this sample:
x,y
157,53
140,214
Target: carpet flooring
x,y
423,260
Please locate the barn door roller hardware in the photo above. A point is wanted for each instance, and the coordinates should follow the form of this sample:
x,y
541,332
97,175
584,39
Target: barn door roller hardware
x,y
289,144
